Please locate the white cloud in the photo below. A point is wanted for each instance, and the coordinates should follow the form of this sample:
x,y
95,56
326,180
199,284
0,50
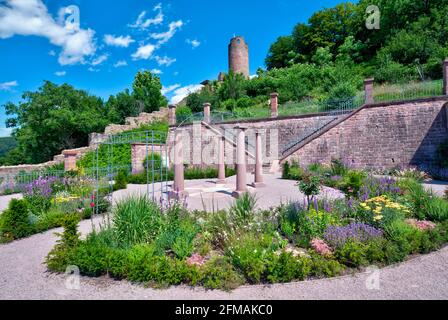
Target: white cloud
x,y
60,73
194,43
165,61
183,92
99,60
144,52
143,24
93,69
52,53
121,41
7,86
166,90
164,37
31,18
156,71
5,132
121,63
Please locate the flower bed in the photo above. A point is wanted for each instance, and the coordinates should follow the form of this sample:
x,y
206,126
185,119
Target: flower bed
x,y
164,244
47,202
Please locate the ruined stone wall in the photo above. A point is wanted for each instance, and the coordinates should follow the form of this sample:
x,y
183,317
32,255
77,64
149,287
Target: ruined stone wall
x,y
94,140
378,136
383,136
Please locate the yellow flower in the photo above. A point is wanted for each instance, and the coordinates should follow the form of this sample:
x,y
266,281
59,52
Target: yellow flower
x,y
378,218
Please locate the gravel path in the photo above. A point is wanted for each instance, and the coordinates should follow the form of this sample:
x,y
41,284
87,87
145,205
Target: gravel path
x,y
23,276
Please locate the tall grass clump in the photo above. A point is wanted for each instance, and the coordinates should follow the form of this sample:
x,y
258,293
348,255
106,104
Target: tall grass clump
x,y
243,210
136,220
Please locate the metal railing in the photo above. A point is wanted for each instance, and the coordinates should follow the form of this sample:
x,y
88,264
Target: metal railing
x,y
408,91
334,109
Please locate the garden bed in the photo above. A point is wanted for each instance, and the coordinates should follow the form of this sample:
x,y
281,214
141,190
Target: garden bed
x,y
380,222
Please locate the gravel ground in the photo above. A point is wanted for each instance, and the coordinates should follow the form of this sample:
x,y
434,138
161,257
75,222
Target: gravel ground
x,y
24,276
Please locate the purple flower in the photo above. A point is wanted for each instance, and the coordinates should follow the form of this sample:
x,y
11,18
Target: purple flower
x,y
360,232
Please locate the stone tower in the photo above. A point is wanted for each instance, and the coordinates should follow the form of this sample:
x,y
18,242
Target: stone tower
x,y
239,56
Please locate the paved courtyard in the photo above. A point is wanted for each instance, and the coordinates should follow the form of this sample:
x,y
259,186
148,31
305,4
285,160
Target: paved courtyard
x,y
207,195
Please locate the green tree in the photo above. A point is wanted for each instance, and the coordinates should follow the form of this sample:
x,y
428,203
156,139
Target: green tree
x,y
52,119
121,106
147,91
281,53
232,87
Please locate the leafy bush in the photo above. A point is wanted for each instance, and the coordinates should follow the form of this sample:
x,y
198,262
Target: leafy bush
x,y
121,180
353,254
136,220
178,238
292,171
251,254
62,254
285,268
183,113
219,273
352,182
15,221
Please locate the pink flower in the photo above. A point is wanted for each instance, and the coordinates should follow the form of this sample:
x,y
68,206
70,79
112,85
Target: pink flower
x,y
321,247
196,260
421,225
92,204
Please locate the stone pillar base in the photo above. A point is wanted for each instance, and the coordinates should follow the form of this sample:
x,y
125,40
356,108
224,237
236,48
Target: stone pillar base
x,y
173,195
238,194
258,185
221,181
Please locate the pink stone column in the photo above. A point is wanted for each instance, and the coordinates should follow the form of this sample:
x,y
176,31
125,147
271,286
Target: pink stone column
x,y
259,181
221,161
178,190
207,107
241,161
172,115
70,160
274,105
368,89
445,77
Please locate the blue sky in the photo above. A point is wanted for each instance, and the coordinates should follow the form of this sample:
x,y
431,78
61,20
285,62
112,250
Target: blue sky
x,y
185,42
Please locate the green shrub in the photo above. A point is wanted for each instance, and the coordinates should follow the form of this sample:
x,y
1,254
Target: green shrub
x,y
352,182
121,180
437,209
62,254
219,273
312,224
338,168
183,113
15,221
285,268
178,238
51,219
293,172
353,254
136,220
251,254
324,267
